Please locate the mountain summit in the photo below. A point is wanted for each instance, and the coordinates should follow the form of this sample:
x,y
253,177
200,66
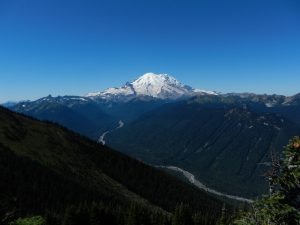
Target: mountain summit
x,y
160,86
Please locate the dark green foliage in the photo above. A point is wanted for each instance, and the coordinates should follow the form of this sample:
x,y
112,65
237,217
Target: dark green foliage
x,y
182,215
37,220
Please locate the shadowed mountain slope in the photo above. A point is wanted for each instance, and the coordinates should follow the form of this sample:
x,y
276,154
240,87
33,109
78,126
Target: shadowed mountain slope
x,y
225,144
45,168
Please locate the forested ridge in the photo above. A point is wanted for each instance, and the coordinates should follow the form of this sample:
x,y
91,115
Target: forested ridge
x,y
226,146
63,178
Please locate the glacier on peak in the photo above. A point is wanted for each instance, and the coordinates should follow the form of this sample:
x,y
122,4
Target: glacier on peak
x,y
160,86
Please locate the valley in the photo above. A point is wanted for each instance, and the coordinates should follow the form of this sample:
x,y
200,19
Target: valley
x,y
102,137
191,178
151,112
212,151
225,140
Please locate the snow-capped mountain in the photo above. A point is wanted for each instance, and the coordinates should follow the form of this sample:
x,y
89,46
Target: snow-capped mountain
x,y
160,86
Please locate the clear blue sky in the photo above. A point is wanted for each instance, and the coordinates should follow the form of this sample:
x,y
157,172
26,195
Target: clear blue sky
x,y
64,47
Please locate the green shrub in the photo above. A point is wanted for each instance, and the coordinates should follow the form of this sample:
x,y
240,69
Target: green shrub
x,y
36,220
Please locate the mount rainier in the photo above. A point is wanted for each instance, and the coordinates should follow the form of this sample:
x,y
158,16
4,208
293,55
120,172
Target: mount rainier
x,y
160,86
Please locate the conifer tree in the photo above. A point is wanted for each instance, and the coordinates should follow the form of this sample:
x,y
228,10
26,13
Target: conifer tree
x,y
132,215
70,216
222,220
282,206
182,215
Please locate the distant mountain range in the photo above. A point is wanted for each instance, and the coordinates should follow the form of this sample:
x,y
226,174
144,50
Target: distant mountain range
x,y
11,103
224,139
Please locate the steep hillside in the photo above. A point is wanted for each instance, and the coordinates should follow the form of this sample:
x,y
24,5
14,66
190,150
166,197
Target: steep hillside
x,y
46,168
226,145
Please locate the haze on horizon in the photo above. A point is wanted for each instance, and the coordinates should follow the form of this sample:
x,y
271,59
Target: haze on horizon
x,y
74,47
